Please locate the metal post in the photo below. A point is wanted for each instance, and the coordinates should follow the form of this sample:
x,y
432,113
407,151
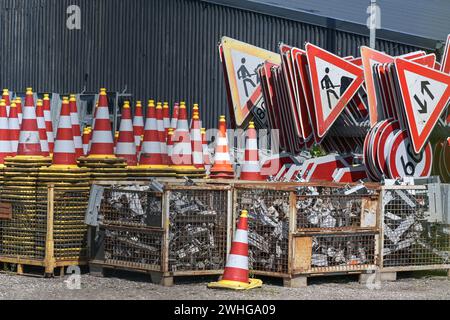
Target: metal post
x,y
373,23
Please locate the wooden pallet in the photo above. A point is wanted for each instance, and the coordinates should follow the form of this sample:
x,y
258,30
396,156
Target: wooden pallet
x,y
35,268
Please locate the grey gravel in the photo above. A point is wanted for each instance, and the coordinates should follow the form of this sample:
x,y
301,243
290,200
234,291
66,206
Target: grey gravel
x,y
435,286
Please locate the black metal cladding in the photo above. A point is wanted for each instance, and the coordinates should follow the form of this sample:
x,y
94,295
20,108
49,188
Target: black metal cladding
x,y
161,49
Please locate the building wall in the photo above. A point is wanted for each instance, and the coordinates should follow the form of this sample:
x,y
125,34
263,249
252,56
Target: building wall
x,y
161,49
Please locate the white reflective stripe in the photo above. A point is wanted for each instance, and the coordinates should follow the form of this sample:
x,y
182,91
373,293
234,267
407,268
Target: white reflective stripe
x,y
249,167
7,110
196,135
29,137
5,146
252,144
50,137
151,124
29,113
126,148
151,147
13,124
138,122
102,137
47,116
64,146
222,141
40,123
126,125
222,157
102,113
166,123
74,118
64,122
182,147
197,157
14,145
78,142
236,261
241,236
137,140
4,123
182,125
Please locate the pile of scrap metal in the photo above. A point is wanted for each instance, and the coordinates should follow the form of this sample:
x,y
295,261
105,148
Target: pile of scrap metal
x,y
411,235
268,230
197,234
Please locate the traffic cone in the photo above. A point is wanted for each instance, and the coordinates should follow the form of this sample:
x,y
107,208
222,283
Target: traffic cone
x,y
251,169
196,143
29,142
126,146
138,126
236,273
151,156
76,126
5,141
86,138
116,138
48,123
102,142
206,155
222,168
166,117
175,114
169,146
14,128
64,154
5,96
19,109
41,127
161,132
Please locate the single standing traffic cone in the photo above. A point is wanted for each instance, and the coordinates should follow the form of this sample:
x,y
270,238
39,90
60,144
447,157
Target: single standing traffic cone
x,y
86,138
5,97
151,156
19,109
196,143
161,132
14,128
138,126
29,142
251,169
235,275
126,146
76,126
48,123
5,140
41,127
64,154
222,168
102,142
175,114
205,149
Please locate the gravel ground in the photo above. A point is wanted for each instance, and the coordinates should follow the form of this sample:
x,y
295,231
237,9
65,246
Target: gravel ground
x,y
408,286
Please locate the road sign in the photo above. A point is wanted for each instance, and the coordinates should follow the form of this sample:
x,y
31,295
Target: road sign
x,y
322,168
386,135
241,63
425,94
350,174
334,82
428,60
404,162
445,63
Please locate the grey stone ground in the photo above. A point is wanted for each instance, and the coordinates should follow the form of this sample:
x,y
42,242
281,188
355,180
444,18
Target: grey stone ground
x,y
126,286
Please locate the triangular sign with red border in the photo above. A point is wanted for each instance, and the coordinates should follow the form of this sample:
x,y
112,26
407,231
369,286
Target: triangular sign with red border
x,y
425,92
334,82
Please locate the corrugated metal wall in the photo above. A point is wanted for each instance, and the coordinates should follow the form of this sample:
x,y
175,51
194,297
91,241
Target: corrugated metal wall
x,y
162,49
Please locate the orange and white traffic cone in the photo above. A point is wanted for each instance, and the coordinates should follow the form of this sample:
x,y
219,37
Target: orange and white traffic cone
x,y
14,128
116,138
102,142
126,146
205,149
5,96
166,117
5,140
138,126
236,273
86,138
161,132
175,115
76,128
251,169
196,143
170,146
151,155
41,127
64,154
222,168
29,142
48,123
19,109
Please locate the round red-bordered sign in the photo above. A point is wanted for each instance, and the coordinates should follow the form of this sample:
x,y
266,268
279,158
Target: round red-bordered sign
x,y
386,135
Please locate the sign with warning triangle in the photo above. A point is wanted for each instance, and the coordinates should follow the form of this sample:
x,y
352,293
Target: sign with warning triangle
x,y
334,82
425,94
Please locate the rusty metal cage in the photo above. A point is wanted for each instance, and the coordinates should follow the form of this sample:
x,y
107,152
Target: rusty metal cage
x,y
413,238
268,223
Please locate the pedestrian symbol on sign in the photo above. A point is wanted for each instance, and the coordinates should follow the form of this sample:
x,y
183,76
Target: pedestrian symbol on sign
x,y
246,77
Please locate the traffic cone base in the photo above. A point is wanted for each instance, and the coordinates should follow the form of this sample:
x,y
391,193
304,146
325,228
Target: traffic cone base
x,y
236,285
251,176
101,156
63,167
159,167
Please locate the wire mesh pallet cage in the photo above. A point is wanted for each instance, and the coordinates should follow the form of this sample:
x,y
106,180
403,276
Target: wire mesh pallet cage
x,y
181,231
306,229
45,229
414,237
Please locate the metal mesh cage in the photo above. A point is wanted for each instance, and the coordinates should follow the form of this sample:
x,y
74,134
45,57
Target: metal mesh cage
x,y
268,228
198,230
411,236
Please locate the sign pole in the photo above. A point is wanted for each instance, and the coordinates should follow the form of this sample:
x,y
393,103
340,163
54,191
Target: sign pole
x,y
373,23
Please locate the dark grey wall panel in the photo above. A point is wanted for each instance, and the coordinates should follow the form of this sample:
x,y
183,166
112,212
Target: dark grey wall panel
x,y
161,49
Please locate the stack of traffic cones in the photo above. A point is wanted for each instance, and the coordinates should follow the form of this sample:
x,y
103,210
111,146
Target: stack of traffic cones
x,y
236,275
48,123
162,133
41,127
175,113
19,109
166,117
5,96
222,168
101,159
126,145
138,127
14,128
196,142
76,126
5,140
86,138
251,169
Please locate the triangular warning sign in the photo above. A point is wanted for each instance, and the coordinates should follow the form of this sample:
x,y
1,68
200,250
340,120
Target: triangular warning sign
x,y
334,82
425,94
